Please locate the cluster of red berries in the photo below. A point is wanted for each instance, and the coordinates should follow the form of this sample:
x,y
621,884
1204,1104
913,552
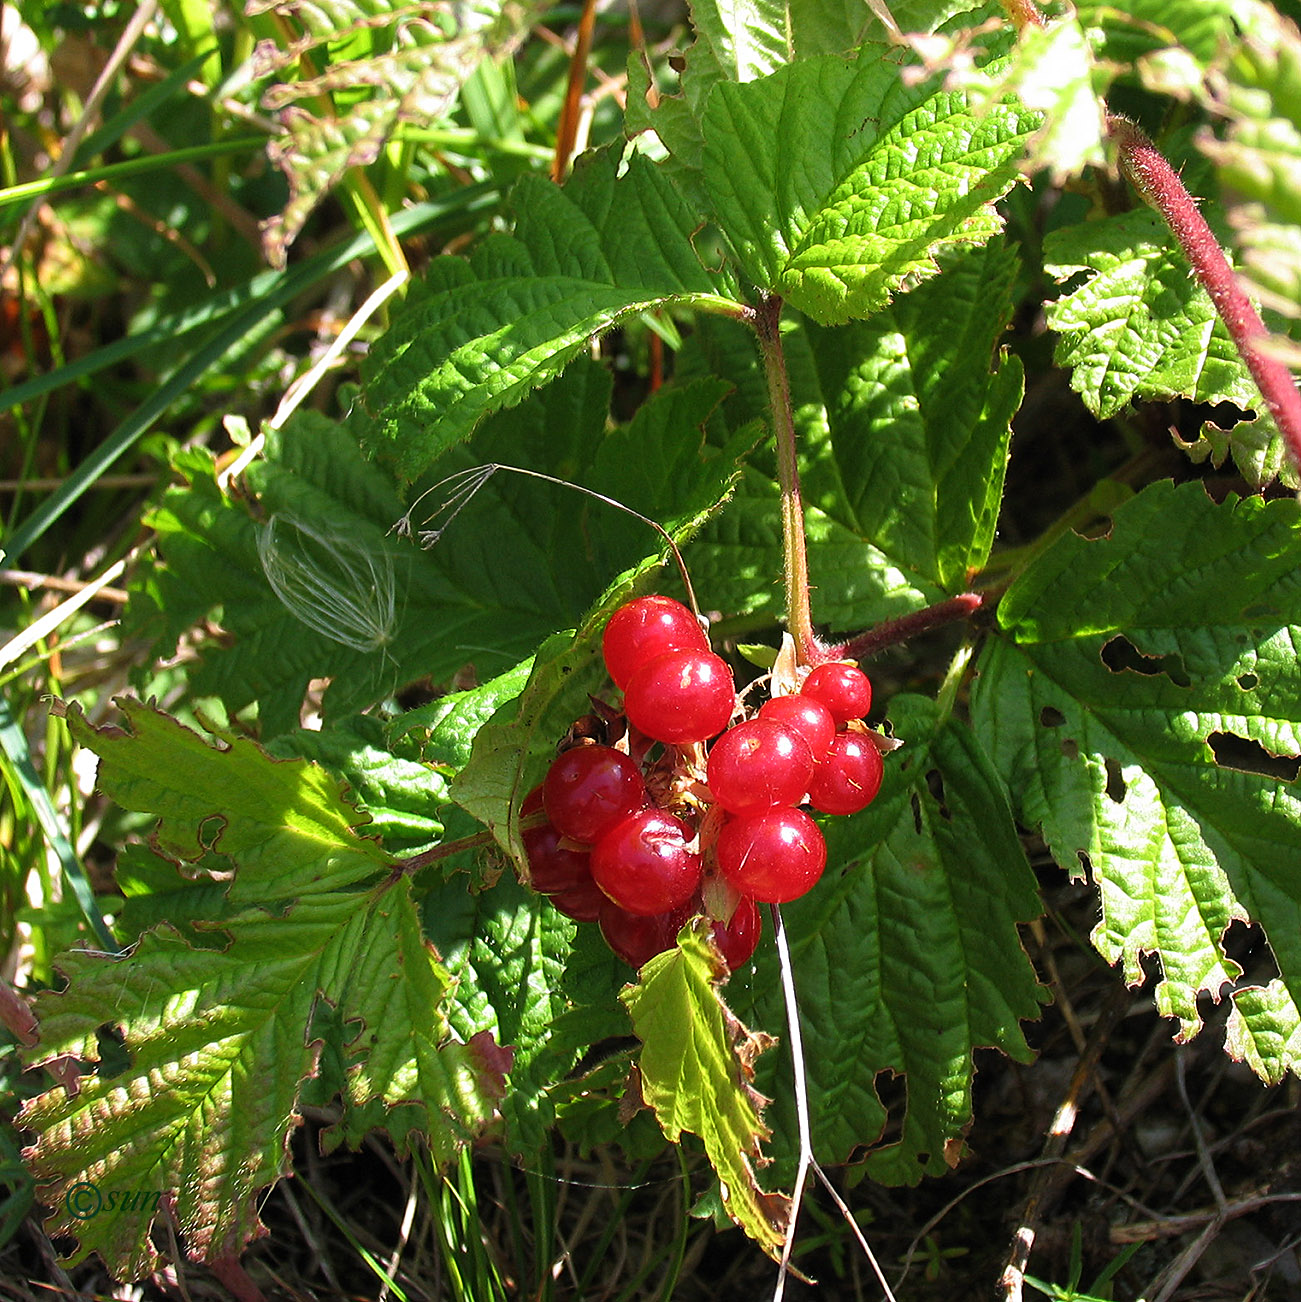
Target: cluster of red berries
x,y
639,828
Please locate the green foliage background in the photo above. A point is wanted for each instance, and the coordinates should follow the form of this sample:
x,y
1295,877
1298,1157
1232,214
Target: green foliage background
x,y
311,915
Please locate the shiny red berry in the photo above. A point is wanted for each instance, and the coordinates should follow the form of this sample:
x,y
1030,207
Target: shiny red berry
x,y
774,856
589,789
644,864
844,689
848,777
681,697
759,764
646,628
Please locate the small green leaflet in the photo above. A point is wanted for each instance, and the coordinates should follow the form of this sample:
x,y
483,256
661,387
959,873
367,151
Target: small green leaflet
x,y
1136,708
853,180
696,1065
219,1042
480,335
1137,325
906,957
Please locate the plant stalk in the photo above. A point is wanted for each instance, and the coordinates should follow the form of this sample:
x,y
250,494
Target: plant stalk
x,y
906,627
799,618
1159,184
1024,13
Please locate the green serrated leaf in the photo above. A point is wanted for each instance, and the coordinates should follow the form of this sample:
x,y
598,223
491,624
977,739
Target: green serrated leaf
x,y
918,426
696,1065
527,976
1147,681
1138,325
855,179
906,957
216,1042
400,795
481,335
522,559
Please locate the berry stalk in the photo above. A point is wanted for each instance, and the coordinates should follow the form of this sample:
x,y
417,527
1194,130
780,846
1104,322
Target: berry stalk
x,y
799,618
904,628
1023,13
1159,185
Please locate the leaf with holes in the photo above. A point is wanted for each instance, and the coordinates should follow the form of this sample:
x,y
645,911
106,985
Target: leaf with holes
x,y
1145,711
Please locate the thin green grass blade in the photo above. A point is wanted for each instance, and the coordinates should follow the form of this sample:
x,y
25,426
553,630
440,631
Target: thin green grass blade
x,y
281,287
21,772
140,108
341,1224
45,186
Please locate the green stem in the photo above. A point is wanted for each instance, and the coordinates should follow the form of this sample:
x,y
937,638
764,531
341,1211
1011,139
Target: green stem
x,y
48,185
1160,186
799,618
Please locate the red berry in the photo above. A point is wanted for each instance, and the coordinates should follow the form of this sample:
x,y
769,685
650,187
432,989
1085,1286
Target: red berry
x,y
552,866
646,628
589,789
807,715
582,902
774,856
637,939
757,765
644,865
849,777
738,938
843,689
681,697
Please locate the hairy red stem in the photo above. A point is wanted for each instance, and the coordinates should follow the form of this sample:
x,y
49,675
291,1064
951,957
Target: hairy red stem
x,y
1023,13
1160,186
905,627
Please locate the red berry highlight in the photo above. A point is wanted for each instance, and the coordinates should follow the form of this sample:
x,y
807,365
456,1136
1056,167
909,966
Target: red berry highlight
x,y
774,857
681,697
807,715
844,689
757,765
848,777
645,628
644,864
589,789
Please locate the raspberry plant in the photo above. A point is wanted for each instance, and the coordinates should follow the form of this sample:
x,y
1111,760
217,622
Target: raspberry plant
x,y
832,230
